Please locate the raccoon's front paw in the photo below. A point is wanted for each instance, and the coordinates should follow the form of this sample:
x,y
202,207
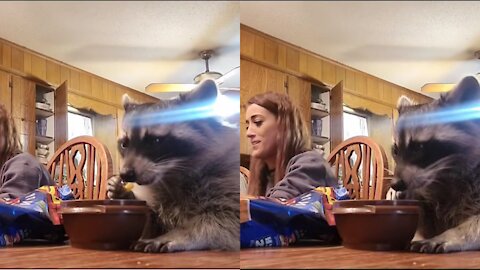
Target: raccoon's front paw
x,y
116,190
437,244
162,243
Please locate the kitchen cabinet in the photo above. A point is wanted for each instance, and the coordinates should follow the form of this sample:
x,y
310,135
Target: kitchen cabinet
x,y
44,123
326,116
32,106
299,92
23,111
336,115
51,120
320,117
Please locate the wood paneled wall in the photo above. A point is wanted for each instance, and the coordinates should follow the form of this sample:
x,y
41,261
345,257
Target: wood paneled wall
x,y
5,91
84,88
32,65
360,90
269,50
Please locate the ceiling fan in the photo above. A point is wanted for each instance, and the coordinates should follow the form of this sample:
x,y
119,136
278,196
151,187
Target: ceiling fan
x,y
443,87
207,74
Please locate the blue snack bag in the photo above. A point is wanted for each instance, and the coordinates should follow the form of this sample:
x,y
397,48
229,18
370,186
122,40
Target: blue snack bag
x,y
272,223
34,216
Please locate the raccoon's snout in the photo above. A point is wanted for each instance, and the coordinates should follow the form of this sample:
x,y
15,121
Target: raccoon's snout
x,y
128,174
399,185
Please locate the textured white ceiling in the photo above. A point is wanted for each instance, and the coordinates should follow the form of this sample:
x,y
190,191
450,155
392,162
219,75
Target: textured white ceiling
x,y
133,43
408,43
137,43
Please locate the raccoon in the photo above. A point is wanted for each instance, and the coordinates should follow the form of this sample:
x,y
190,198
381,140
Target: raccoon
x,y
437,154
186,169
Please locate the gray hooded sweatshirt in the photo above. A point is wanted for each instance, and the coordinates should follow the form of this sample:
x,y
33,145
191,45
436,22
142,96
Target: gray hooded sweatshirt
x,y
21,174
304,172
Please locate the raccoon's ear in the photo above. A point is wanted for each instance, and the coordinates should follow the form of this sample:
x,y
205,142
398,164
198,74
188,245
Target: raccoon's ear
x,y
128,103
468,90
403,102
207,90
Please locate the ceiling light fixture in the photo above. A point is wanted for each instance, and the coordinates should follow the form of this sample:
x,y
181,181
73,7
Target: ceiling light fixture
x,y
207,74
437,87
443,87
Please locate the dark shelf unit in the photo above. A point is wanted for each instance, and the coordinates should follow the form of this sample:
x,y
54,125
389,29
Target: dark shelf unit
x,y
318,113
42,114
44,139
320,140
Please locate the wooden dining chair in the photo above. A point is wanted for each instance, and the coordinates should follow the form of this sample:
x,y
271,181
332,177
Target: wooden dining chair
x,y
244,175
245,172
361,165
84,164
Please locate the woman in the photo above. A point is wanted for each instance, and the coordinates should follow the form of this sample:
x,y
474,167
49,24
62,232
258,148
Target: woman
x,y
20,173
282,164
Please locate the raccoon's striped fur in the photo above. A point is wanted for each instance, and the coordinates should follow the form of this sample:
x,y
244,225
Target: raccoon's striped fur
x,y
437,154
187,171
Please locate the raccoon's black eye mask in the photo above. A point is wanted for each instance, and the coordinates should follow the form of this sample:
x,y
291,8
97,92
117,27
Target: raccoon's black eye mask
x,y
155,146
123,143
169,144
153,140
413,149
425,153
395,150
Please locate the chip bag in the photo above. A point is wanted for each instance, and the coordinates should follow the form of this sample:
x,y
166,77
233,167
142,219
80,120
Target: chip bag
x,y
34,215
267,222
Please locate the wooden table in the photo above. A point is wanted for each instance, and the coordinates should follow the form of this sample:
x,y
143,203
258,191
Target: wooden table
x,y
341,257
65,256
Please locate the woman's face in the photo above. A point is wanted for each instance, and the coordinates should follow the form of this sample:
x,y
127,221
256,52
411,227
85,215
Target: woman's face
x,y
262,132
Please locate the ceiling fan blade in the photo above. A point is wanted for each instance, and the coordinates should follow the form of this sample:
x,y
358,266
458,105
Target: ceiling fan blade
x,y
169,87
225,89
437,87
227,75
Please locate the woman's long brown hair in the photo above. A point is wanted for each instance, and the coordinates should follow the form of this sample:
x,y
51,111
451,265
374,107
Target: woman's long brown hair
x,y
292,138
9,142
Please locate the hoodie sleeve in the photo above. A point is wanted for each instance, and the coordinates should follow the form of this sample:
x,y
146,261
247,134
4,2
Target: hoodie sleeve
x,y
22,174
304,172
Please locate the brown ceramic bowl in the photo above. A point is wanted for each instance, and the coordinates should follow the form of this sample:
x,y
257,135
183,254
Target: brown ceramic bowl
x,y
104,224
376,224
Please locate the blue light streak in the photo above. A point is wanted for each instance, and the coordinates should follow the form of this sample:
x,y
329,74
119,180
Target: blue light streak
x,y
470,111
222,107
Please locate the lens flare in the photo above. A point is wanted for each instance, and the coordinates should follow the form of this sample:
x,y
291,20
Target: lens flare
x,y
221,107
226,106
470,111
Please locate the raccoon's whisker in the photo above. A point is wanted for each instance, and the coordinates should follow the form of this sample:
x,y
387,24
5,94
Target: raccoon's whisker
x,y
162,161
445,164
173,162
183,169
181,166
162,184
160,158
172,169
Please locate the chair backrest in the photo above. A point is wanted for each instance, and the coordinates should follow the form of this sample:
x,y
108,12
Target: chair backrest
x,y
84,164
361,164
245,172
244,175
